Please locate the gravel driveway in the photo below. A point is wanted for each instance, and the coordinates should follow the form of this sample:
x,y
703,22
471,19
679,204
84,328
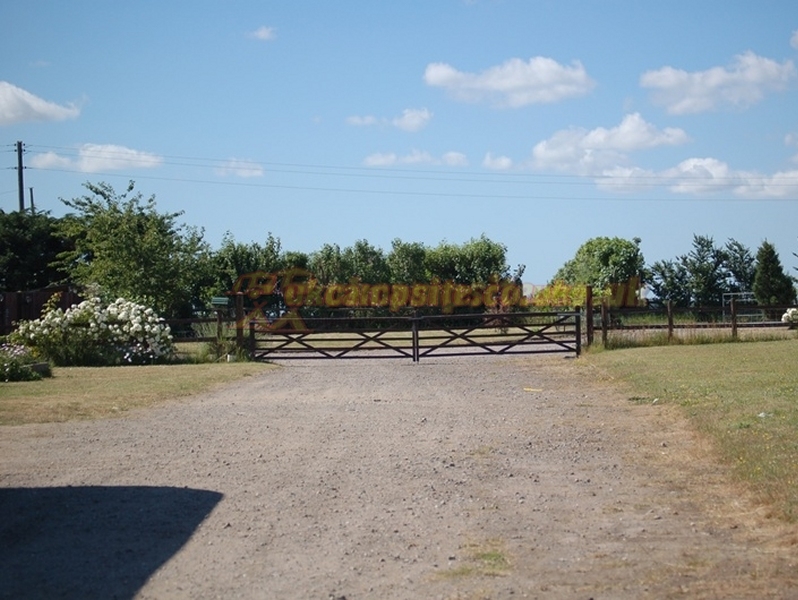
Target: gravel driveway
x,y
475,477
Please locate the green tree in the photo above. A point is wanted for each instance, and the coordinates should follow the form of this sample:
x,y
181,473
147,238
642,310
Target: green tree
x,y
327,265
703,275
234,259
669,281
29,245
366,263
603,260
740,267
406,260
706,266
772,285
475,262
123,247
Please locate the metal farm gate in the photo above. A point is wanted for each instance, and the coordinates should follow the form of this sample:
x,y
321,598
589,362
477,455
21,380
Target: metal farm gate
x,y
416,337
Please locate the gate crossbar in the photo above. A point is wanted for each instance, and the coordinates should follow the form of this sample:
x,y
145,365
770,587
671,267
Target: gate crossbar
x,y
554,332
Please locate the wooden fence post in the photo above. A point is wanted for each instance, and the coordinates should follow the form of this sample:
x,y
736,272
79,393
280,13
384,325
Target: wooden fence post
x,y
252,342
240,320
670,320
734,318
605,321
589,314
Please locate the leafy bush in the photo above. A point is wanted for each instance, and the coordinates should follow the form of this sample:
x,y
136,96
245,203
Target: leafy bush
x,y
90,334
15,363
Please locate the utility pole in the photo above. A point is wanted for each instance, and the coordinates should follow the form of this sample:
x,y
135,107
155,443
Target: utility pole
x,y
20,178
32,207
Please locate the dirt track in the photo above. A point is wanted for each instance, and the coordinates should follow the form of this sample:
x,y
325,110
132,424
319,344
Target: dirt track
x,y
453,478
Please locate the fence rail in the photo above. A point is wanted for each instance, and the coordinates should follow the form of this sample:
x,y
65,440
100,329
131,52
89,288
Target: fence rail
x,y
733,317
418,337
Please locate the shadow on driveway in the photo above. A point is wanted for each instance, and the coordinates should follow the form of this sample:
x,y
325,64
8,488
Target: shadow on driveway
x,y
92,542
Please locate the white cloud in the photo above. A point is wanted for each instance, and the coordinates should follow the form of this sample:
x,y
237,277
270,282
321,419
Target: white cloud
x,y
626,179
94,158
794,39
380,159
514,83
585,152
455,159
700,175
18,106
50,160
362,121
707,175
497,163
412,119
703,176
263,33
742,84
240,168
416,157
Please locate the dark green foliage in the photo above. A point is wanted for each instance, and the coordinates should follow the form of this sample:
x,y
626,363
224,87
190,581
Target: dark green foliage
x,y
740,266
771,284
478,261
703,275
406,261
707,271
669,281
234,259
29,244
365,263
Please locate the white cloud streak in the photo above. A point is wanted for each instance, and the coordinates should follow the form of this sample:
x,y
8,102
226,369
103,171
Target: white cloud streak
x,y
416,157
411,119
497,163
20,106
701,177
742,84
514,83
794,39
95,158
239,167
454,159
263,33
365,121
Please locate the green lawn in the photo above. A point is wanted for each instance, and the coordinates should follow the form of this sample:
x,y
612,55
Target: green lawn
x,y
743,395
96,392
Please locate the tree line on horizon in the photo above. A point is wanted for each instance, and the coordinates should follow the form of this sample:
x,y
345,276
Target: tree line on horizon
x,y
114,244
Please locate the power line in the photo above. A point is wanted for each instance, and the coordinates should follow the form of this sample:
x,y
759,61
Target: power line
x,y
418,193
423,175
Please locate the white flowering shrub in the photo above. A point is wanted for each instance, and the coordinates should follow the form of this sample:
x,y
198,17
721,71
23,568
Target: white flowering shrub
x,y
92,334
15,363
790,317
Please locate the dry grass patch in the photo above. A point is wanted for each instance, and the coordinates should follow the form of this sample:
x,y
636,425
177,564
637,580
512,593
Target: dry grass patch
x,y
744,396
482,559
98,392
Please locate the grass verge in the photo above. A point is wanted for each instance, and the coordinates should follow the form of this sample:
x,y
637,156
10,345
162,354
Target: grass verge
x,y
97,392
744,396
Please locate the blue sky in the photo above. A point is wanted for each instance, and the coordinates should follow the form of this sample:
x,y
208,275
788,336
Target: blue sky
x,y
539,124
